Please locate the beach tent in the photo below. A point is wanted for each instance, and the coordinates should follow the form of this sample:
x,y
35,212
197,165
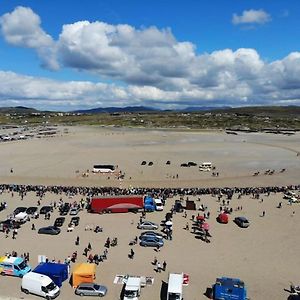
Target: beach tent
x,y
83,272
57,272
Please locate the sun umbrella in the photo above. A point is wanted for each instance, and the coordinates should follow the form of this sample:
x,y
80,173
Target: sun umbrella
x,y
169,223
205,226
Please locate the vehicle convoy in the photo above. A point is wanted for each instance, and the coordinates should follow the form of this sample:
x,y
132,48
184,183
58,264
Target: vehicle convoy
x,y
13,266
132,290
120,204
229,289
175,286
41,285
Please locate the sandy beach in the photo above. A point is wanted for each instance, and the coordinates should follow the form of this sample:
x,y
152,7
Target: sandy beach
x,y
265,255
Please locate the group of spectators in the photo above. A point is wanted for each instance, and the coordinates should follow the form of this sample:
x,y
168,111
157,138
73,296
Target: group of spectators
x,y
89,192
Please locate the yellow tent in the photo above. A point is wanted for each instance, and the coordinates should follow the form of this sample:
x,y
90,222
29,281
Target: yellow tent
x,y
83,272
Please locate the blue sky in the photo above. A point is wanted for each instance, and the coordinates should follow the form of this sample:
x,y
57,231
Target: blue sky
x,y
166,54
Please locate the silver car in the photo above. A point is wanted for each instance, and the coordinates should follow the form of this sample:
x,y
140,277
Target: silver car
x,y
151,242
150,234
148,225
91,289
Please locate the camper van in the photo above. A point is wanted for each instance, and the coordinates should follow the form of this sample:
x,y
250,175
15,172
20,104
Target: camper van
x,y
175,286
40,285
13,266
132,289
205,166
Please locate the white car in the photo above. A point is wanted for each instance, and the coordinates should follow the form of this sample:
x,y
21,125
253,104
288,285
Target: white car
x,y
147,225
158,204
74,211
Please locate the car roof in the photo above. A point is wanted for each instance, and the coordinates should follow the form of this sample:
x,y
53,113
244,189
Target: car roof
x,y
242,218
86,284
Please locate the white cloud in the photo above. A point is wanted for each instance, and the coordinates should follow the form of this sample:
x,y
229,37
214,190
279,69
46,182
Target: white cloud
x,y
153,67
251,16
22,27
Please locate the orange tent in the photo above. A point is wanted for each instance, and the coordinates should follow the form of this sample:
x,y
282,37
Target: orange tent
x,y
83,272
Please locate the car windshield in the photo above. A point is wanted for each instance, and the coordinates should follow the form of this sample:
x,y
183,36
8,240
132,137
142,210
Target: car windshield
x,y
173,296
51,286
22,265
96,286
130,294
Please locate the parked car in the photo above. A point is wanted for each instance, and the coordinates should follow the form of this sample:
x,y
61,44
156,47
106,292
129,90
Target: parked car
x,y
59,221
147,234
91,289
64,210
242,222
31,210
20,209
147,225
74,211
46,209
49,230
151,242
75,220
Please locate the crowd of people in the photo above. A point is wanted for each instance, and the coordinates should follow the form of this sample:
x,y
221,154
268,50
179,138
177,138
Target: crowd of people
x,y
89,192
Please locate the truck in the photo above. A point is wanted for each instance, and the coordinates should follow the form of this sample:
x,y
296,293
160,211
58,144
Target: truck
x,y
120,204
229,289
13,266
132,290
175,286
40,285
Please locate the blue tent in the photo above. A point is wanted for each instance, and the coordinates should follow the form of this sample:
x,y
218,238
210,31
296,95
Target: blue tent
x,y
57,272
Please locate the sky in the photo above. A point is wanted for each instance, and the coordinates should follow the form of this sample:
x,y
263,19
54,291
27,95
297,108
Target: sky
x,y
67,55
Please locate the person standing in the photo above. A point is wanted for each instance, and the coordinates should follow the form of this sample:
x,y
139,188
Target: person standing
x,y
158,267
164,265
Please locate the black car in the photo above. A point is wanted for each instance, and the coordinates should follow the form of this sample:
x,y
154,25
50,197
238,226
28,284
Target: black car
x,y
59,221
46,209
52,230
75,220
242,222
64,210
31,210
20,209
192,164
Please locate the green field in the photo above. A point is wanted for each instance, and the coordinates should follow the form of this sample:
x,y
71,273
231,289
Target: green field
x,y
253,118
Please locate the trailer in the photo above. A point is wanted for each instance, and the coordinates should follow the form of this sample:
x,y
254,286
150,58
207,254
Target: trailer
x,y
121,204
229,289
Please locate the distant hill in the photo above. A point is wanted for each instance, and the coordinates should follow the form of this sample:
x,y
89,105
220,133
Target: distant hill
x,y
115,110
204,108
17,109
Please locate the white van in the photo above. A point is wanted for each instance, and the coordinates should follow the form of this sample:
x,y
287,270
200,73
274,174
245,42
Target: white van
x,y
40,285
159,206
175,286
132,288
205,166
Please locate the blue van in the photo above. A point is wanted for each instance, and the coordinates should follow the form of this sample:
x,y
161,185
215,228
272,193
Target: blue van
x,y
13,266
